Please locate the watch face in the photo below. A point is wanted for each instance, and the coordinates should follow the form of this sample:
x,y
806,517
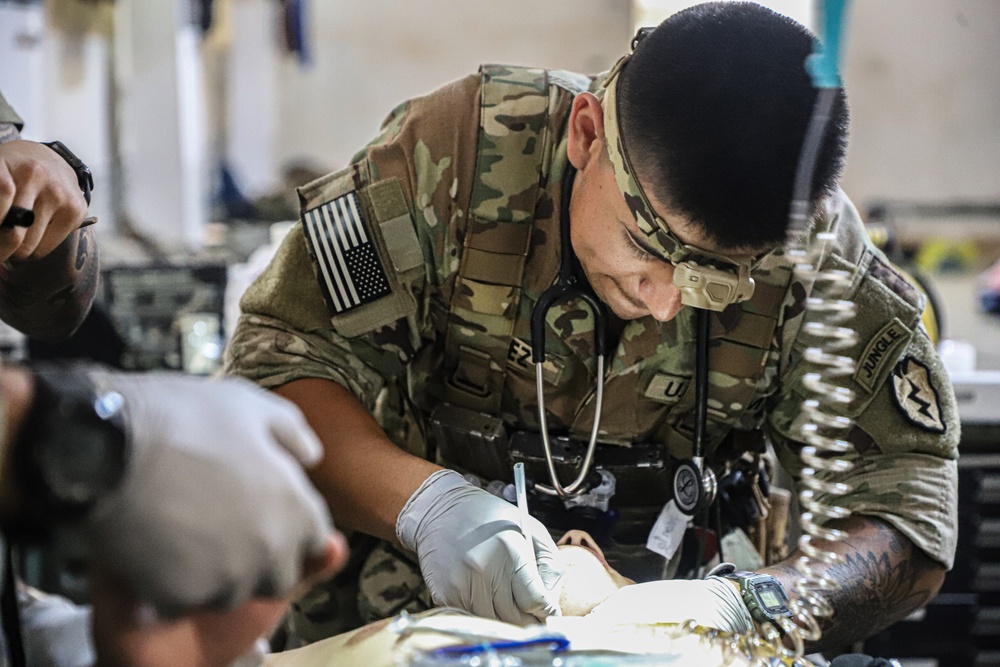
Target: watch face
x,y
81,452
72,449
771,597
82,463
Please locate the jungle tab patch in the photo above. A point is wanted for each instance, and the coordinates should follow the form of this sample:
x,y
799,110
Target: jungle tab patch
x,y
350,269
880,351
916,395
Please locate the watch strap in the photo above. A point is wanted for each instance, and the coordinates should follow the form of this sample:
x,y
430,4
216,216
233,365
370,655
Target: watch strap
x,y
84,176
744,578
64,399
30,522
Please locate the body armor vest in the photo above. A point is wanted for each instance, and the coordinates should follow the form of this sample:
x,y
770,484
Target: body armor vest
x,y
496,246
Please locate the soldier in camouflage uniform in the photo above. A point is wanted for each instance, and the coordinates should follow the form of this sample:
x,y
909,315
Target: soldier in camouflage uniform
x,y
411,281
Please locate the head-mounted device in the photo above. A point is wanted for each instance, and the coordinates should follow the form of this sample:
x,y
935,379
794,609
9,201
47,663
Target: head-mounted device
x,y
705,279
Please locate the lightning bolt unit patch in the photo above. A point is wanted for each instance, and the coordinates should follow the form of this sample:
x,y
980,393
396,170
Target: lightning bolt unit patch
x,y
916,395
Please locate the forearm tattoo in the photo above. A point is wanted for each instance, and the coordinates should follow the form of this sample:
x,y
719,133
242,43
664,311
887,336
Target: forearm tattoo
x,y
8,132
48,298
883,577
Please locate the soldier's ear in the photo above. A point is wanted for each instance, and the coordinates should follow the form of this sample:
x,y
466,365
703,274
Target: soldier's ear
x,y
586,130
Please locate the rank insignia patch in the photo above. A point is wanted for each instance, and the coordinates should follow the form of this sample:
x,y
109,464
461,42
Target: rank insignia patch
x,y
916,395
349,266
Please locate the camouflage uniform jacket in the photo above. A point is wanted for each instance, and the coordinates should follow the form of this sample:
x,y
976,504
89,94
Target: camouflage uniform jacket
x,y
8,115
413,186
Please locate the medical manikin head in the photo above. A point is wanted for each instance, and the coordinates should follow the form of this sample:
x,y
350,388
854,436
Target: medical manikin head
x,y
588,580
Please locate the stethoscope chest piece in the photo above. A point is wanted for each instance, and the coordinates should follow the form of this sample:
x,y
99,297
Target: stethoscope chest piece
x,y
694,488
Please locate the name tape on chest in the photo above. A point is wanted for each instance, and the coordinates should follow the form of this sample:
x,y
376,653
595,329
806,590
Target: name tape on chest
x,y
666,388
519,356
916,395
350,269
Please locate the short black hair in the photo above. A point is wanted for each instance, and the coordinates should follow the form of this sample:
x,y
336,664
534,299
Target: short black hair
x,y
714,105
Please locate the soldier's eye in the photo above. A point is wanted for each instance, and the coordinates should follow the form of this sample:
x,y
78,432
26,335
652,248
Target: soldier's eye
x,y
637,251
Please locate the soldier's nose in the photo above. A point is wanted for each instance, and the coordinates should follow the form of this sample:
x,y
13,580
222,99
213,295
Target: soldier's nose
x,y
662,298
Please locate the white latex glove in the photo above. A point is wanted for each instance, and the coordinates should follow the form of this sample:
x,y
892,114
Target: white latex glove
x,y
711,603
56,632
215,507
472,553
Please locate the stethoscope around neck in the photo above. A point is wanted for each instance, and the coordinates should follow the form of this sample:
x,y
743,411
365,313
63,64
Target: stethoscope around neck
x,y
694,483
566,287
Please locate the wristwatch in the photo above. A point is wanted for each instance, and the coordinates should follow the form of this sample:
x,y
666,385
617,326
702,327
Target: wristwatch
x,y
72,448
83,175
764,596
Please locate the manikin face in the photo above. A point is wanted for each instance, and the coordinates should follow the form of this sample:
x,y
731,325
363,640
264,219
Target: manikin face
x,y
588,580
629,279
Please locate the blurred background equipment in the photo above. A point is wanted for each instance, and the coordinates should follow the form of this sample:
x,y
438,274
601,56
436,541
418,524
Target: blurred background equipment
x,y
945,248
169,317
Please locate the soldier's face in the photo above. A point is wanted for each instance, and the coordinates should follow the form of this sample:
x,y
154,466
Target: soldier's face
x,y
629,279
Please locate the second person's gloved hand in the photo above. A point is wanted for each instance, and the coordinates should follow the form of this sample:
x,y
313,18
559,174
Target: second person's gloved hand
x,y
711,603
472,553
214,508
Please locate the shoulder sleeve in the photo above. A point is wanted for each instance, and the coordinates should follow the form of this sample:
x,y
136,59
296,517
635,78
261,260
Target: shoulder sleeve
x,y
351,293
904,450
904,440
8,115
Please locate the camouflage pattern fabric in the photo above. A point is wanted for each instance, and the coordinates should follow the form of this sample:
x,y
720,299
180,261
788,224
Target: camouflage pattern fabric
x,y
378,582
8,115
391,353
390,582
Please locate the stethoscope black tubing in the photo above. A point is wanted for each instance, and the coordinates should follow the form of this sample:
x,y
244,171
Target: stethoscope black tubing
x,y
701,382
566,285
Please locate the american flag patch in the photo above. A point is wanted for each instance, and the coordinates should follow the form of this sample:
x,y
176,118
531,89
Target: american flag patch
x,y
350,271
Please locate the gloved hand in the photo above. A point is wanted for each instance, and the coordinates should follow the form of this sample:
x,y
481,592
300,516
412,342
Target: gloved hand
x,y
214,507
711,603
54,630
472,553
